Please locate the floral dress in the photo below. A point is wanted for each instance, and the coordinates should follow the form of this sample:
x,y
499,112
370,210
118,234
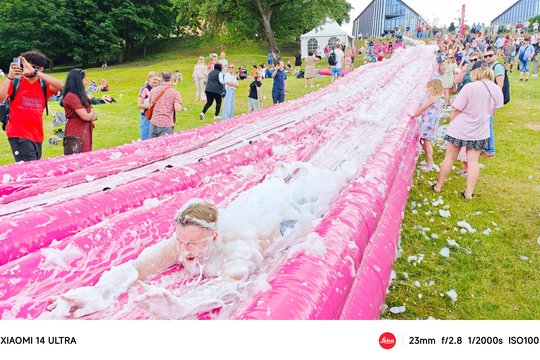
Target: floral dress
x,y
430,120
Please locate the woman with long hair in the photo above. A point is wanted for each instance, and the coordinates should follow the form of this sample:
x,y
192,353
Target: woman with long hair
x,y
79,114
199,78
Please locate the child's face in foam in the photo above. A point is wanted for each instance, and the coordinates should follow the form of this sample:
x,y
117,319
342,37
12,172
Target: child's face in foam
x,y
195,242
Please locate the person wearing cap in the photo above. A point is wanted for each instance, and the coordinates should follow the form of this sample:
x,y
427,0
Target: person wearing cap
x,y
526,52
469,126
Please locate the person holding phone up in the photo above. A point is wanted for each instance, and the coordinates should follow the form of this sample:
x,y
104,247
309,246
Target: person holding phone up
x,y
28,89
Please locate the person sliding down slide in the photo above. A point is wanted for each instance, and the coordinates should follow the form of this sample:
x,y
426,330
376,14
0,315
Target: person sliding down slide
x,y
195,244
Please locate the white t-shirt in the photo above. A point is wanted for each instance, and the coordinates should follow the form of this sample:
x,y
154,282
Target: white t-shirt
x,y
230,79
339,58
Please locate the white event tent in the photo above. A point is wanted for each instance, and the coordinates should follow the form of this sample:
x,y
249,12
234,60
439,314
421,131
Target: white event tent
x,y
326,34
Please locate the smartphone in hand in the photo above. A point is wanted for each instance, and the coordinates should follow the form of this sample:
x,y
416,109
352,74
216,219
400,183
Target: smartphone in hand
x,y
17,61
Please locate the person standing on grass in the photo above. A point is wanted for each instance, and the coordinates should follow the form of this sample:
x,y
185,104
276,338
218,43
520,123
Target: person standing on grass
x,y
279,87
525,55
490,58
336,70
429,122
309,72
224,62
469,125
231,83
34,88
152,80
79,113
199,78
448,69
297,62
255,100
215,86
167,102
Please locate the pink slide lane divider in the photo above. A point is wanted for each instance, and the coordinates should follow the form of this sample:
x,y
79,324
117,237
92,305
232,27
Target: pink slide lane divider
x,y
309,287
368,291
23,233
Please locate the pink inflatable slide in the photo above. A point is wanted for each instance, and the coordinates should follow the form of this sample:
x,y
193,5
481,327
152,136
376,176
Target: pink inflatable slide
x,y
339,174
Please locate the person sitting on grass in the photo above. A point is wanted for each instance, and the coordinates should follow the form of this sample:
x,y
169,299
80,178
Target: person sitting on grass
x,y
92,88
104,86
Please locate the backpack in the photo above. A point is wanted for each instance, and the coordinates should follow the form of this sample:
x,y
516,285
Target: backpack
x,y
332,61
506,86
4,107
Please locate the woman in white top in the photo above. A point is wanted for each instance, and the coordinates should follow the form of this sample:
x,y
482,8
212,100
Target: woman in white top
x,y
231,83
199,78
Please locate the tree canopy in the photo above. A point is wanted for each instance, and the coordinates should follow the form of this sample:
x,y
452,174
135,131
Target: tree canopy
x,y
91,31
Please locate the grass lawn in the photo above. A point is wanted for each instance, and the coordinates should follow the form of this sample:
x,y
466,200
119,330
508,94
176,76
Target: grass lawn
x,y
496,270
495,276
119,123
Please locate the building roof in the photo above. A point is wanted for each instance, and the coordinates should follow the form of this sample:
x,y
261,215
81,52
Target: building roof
x,y
404,3
330,28
501,14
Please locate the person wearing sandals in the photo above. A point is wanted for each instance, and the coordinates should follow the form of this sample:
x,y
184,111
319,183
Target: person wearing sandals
x,y
469,125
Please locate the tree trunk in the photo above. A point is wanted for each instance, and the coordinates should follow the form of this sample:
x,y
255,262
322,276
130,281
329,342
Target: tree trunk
x,y
266,16
51,65
144,51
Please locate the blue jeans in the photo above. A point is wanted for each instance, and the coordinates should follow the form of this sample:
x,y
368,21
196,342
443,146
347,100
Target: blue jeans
x,y
491,149
369,50
144,128
228,104
278,96
335,72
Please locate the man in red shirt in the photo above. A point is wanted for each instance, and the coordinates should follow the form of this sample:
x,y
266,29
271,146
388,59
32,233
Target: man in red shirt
x,y
25,127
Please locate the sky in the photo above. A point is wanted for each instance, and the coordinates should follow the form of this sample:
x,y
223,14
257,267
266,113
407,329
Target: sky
x,y
482,11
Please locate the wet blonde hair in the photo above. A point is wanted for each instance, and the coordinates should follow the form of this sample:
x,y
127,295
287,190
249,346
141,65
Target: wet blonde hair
x,y
435,87
152,74
203,211
482,73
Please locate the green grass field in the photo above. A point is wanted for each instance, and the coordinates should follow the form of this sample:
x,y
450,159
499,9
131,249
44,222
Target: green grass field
x,y
487,272
495,276
119,123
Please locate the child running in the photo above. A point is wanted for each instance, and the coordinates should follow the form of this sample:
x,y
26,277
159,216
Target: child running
x,y
429,121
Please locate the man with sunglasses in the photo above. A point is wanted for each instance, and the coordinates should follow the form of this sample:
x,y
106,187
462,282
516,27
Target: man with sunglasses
x,y
464,76
32,89
491,59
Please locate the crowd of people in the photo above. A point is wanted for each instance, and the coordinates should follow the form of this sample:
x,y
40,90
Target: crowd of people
x,y
468,67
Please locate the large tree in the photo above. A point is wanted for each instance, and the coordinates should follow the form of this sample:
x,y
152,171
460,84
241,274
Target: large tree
x,y
281,20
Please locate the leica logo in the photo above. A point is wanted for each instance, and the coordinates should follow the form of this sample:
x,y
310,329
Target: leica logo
x,y
387,340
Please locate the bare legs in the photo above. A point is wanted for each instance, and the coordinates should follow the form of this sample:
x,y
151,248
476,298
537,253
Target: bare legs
x,y
428,149
473,168
446,97
452,152
473,171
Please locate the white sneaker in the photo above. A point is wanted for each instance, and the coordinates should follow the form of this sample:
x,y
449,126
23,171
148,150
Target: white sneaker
x,y
217,117
201,116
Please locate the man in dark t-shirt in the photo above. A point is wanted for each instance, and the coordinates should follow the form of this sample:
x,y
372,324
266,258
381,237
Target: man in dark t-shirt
x,y
279,88
25,127
255,96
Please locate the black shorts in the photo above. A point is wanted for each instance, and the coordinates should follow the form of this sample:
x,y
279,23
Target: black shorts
x,y
24,149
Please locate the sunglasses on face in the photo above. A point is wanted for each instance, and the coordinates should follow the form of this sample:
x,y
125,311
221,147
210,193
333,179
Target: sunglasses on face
x,y
474,60
489,55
